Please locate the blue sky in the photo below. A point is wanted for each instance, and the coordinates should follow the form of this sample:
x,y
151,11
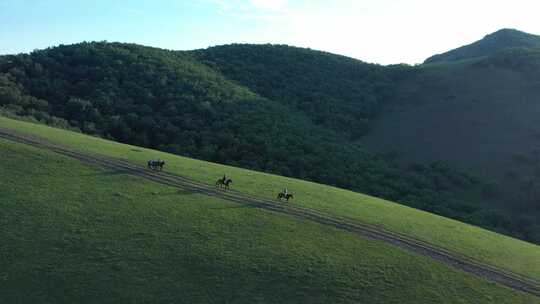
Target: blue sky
x,y
383,31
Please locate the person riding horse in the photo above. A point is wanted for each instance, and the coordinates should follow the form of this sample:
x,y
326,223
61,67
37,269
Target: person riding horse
x,y
155,164
223,182
285,194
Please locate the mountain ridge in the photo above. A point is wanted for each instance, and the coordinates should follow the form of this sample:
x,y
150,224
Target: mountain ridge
x,y
489,45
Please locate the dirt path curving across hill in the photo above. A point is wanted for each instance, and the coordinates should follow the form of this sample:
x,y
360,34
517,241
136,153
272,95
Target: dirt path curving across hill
x,y
450,258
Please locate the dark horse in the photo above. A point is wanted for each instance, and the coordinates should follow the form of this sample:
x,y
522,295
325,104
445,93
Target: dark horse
x,y
156,164
282,195
223,183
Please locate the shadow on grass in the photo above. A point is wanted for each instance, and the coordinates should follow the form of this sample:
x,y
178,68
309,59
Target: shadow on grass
x,y
109,173
238,206
180,192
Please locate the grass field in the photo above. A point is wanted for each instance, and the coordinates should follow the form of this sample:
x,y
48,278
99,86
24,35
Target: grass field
x,y
72,233
512,254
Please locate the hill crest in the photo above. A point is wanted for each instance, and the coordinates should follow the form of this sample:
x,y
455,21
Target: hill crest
x,y
489,45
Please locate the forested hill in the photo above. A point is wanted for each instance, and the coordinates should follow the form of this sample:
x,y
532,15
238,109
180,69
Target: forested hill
x,y
335,92
279,109
501,40
481,115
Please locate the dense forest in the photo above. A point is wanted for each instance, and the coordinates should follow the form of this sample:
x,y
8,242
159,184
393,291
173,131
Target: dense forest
x,y
279,109
335,92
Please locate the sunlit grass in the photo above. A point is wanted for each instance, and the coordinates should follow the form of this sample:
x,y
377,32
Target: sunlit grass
x,y
481,244
72,233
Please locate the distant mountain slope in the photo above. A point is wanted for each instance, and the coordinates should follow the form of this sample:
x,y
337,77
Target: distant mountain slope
x,y
482,116
489,45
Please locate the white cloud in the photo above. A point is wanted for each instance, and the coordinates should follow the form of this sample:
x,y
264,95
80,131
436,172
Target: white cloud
x,y
386,31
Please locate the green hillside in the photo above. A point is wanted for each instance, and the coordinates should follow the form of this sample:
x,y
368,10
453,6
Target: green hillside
x,y
489,45
76,233
454,235
278,109
444,106
311,115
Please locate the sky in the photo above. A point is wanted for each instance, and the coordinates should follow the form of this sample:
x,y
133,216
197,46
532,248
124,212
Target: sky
x,y
377,31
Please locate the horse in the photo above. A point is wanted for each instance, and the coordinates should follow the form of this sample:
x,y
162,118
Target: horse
x,y
223,183
155,164
282,195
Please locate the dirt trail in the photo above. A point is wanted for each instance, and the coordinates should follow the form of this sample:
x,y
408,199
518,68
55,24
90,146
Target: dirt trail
x,y
456,260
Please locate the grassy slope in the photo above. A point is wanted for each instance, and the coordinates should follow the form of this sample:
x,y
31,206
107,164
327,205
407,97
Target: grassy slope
x,y
481,244
72,233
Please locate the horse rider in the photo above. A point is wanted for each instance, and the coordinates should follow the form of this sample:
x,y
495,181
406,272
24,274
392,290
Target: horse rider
x,y
285,192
